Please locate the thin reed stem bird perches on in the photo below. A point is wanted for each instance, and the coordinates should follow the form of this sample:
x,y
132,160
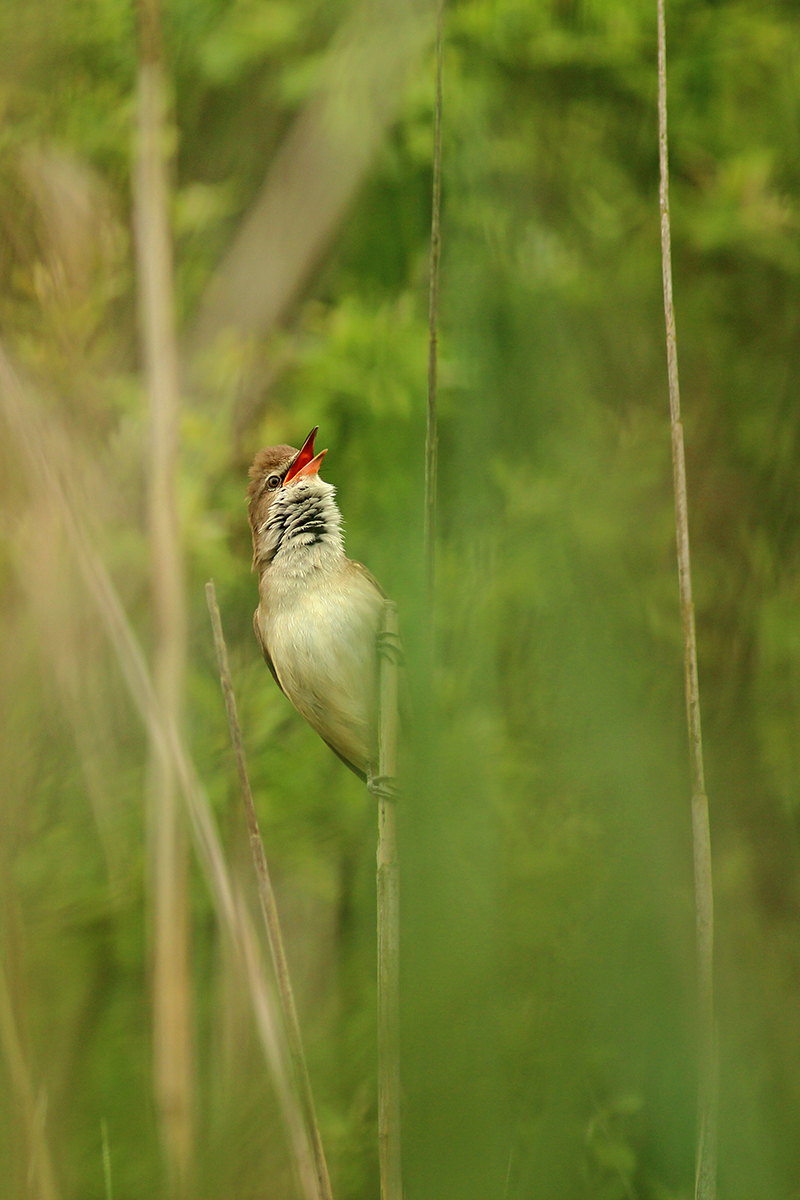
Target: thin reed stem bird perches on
x,y
389,1125
706,1159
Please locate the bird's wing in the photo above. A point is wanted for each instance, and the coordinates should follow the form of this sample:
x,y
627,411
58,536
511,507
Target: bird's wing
x,y
365,574
271,665
265,651
356,770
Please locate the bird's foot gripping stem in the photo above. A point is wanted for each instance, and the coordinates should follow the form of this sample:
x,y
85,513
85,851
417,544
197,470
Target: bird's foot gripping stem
x,y
383,787
390,646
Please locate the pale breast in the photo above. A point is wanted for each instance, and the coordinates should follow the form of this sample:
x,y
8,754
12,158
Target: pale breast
x,y
321,639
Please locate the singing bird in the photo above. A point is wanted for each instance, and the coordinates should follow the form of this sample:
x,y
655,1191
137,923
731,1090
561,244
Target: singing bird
x,y
319,612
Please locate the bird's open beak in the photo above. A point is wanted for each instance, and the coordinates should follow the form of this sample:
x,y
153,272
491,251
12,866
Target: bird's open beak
x,y
306,462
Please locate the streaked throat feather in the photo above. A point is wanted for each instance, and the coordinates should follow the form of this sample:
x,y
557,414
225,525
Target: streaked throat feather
x,y
304,517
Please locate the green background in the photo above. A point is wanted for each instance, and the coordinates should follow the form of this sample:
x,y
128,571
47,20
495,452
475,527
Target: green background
x,y
547,943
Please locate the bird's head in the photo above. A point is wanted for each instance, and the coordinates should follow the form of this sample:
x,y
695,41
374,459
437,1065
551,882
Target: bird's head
x,y
278,477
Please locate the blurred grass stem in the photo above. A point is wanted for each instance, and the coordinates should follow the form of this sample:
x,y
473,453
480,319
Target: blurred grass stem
x,y
389,1137
169,852
432,432
269,908
109,1195
312,180
41,1179
706,1159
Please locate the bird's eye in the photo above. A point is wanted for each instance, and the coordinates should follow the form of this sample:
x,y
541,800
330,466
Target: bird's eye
x,y
274,481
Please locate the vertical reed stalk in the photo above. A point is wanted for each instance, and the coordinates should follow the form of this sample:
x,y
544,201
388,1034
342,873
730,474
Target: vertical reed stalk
x,y
41,1177
269,908
432,433
389,1141
388,876
106,1149
706,1159
169,861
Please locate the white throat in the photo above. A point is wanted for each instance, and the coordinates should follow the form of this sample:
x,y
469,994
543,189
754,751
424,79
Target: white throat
x,y
302,532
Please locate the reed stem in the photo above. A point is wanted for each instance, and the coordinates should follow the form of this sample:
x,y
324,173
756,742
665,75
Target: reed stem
x,y
432,432
389,1139
168,838
41,1177
706,1155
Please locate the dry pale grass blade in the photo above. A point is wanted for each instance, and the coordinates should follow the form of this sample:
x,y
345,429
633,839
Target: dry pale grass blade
x,y
167,840
40,1167
81,239
75,661
80,244
47,458
389,1127
706,1159
316,172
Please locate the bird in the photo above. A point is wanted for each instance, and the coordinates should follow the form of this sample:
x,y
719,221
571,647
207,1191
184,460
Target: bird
x,y
319,613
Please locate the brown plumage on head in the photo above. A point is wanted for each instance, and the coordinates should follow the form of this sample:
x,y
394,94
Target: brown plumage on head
x,y
273,460
271,468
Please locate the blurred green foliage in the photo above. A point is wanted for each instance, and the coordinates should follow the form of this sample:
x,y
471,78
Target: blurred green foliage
x,y
546,857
